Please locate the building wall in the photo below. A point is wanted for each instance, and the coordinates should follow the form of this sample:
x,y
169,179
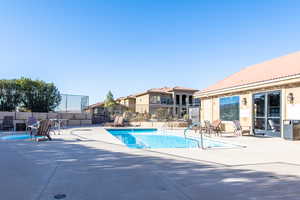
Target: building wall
x,y
153,108
210,106
142,104
292,111
131,104
206,110
73,119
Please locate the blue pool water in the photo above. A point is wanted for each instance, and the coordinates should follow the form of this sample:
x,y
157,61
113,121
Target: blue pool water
x,y
17,137
151,138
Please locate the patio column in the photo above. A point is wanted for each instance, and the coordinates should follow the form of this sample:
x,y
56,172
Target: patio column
x,y
174,104
180,106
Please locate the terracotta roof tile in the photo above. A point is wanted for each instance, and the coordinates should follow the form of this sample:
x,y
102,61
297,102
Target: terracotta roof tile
x,y
281,67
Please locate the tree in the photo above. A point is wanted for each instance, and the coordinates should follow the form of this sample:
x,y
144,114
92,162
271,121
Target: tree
x,y
109,100
10,95
38,96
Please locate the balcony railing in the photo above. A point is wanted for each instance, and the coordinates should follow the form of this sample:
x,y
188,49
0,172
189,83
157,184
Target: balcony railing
x,y
177,105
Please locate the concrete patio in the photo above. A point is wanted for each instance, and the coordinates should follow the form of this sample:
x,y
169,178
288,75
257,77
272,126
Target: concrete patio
x,y
89,164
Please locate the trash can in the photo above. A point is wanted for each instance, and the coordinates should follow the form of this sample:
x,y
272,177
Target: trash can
x,y
291,129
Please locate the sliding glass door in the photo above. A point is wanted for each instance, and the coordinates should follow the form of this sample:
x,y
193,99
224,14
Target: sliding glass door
x,y
267,113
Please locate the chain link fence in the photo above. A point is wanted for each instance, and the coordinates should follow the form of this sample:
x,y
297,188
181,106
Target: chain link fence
x,y
72,103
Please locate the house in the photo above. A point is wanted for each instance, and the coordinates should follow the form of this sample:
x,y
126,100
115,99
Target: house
x,y
260,96
128,102
102,114
175,100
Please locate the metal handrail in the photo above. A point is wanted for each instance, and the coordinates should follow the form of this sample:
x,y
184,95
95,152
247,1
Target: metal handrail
x,y
201,134
164,127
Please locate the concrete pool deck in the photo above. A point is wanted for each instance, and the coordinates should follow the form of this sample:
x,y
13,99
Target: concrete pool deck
x,y
89,164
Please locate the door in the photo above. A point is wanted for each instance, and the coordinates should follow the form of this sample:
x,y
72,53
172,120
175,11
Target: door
x,y
267,113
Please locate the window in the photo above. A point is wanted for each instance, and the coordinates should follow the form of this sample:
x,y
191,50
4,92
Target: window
x,y
190,100
155,99
196,101
177,99
230,108
166,100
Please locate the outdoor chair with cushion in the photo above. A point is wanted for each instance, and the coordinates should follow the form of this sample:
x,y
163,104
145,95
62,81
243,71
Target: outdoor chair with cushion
x,y
240,130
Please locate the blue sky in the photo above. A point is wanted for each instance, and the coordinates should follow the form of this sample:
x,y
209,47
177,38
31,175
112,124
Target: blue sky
x,y
127,46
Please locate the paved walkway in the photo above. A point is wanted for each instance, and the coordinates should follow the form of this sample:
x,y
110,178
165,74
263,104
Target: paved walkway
x,y
89,164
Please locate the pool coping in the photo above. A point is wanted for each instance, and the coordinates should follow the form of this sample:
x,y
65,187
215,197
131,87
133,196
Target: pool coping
x,y
230,145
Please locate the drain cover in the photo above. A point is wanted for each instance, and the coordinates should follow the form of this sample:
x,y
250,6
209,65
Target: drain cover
x,y
60,196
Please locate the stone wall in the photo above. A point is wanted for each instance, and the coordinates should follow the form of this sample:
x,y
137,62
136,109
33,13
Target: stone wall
x,y
73,119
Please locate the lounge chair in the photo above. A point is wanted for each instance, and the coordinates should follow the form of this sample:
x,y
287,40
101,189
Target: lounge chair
x,y
240,130
120,121
115,123
44,129
8,123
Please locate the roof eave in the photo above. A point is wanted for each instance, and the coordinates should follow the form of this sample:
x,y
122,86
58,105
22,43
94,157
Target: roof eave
x,y
255,85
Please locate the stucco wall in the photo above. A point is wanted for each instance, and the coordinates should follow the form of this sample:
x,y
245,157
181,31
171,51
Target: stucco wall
x,y
206,110
142,104
131,104
73,118
210,106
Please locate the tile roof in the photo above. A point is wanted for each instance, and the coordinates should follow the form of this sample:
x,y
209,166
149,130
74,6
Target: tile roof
x,y
96,105
277,68
184,88
166,90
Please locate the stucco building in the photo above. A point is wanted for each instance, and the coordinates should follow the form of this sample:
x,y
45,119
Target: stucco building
x,y
176,100
260,96
128,102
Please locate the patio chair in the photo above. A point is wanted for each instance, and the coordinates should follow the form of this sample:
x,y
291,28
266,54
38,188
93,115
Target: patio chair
x,y
274,127
120,121
207,127
239,130
115,123
44,129
8,123
32,123
216,127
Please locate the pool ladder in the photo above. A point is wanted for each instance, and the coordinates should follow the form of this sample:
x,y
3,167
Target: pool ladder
x,y
164,127
201,134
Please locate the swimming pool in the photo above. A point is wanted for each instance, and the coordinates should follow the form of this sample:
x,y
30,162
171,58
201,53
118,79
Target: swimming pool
x,y
152,138
18,137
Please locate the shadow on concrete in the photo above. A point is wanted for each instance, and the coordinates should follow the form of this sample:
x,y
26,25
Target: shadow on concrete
x,y
95,170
